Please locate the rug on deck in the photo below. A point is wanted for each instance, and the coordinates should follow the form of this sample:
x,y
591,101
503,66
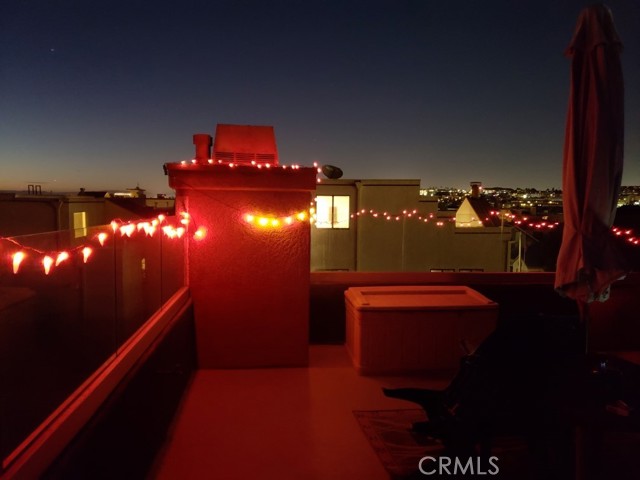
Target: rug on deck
x,y
400,450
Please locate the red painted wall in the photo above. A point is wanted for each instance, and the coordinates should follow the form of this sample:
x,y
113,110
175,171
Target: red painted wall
x,y
250,284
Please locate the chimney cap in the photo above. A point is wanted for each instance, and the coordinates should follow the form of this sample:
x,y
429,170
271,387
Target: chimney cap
x,y
203,138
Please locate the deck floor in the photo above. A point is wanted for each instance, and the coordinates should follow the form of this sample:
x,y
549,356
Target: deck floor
x,y
285,423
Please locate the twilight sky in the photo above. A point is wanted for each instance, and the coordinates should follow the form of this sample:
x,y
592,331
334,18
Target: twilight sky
x,y
100,94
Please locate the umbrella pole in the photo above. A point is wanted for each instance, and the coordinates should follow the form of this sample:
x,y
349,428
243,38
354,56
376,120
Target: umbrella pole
x,y
583,309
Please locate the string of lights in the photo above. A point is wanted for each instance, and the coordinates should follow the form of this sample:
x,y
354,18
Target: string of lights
x,y
413,214
262,219
508,218
49,259
254,164
52,259
274,222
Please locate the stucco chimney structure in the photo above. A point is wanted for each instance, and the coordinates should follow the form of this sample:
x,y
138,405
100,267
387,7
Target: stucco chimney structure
x,y
248,268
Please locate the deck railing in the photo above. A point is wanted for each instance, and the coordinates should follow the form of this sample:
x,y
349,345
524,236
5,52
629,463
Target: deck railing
x,y
69,301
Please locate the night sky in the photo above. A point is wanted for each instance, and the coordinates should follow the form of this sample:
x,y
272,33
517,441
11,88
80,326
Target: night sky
x,y
100,94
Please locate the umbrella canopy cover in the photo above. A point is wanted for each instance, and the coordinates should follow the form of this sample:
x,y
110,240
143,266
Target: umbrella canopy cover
x,y
589,260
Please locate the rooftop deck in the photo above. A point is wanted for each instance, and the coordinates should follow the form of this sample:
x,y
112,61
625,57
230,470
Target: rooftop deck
x,y
293,423
287,423
297,422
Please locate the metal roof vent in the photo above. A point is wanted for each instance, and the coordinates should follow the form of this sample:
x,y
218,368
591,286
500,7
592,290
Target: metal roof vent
x,y
245,144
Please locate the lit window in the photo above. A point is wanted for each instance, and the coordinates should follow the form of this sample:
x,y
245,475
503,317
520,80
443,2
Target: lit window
x,y
80,224
332,211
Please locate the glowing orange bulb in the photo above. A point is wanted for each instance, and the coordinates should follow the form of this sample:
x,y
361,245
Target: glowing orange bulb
x,y
301,216
114,226
47,261
263,222
161,218
86,253
288,220
101,238
180,231
200,233
249,218
275,222
62,256
127,230
17,260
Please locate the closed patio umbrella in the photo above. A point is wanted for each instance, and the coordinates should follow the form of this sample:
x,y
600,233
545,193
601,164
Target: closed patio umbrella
x,y
589,261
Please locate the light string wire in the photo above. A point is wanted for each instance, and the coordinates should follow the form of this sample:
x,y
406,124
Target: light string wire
x,y
50,258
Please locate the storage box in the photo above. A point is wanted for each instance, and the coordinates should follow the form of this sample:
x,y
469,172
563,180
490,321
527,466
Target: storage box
x,y
395,329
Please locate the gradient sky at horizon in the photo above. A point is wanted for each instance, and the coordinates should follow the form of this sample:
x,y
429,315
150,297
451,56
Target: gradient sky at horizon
x,y
101,94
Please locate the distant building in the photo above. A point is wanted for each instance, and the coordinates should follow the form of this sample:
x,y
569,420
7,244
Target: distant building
x,y
476,212
30,213
136,192
386,225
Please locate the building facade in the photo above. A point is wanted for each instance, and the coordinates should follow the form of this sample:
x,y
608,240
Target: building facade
x,y
386,225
